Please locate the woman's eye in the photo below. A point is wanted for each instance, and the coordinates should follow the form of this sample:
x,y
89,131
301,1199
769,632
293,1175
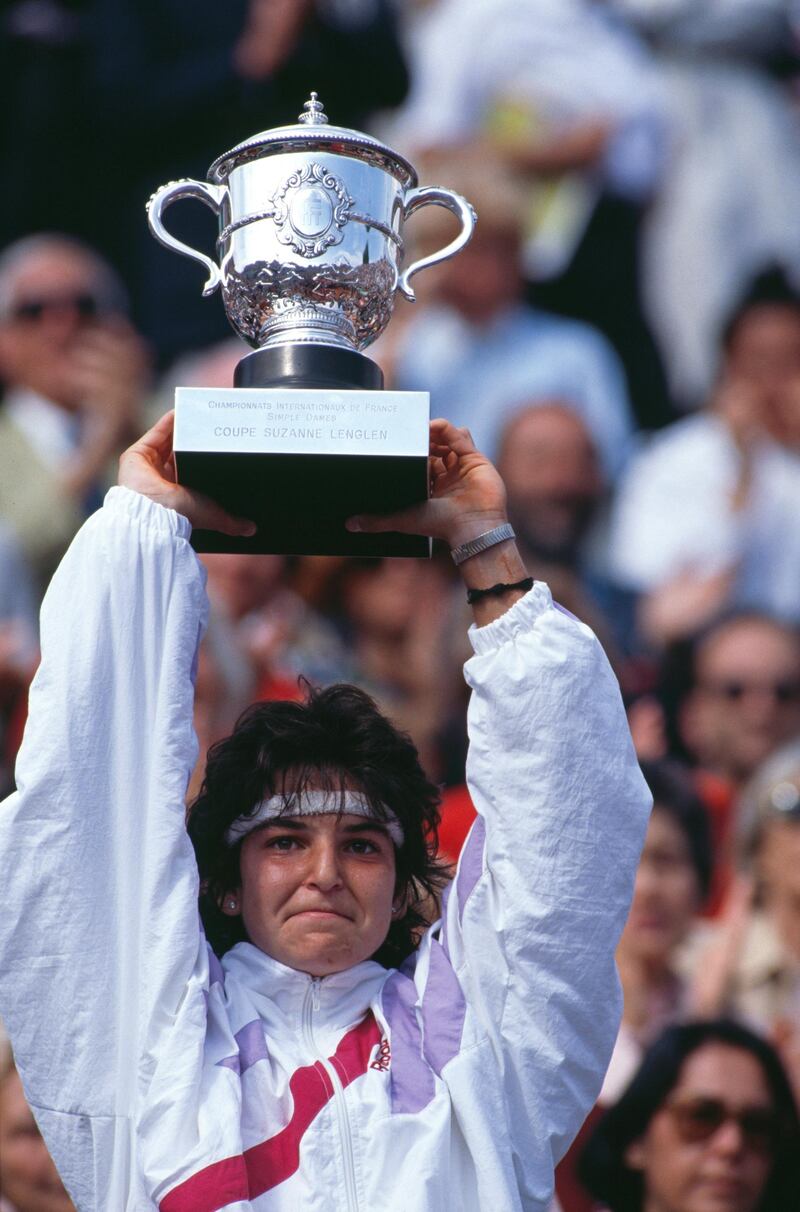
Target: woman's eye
x,y
360,845
285,842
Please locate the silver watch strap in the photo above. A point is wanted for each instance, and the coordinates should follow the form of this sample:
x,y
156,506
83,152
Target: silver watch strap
x,y
482,542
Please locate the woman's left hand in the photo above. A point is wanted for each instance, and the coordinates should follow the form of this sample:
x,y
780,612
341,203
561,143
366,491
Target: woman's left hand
x,y
467,495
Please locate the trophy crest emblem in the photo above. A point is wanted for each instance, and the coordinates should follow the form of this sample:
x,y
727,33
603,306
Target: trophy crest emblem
x,y
310,245
310,257
311,210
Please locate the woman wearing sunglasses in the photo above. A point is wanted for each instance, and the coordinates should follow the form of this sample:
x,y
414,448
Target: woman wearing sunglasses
x,y
708,1124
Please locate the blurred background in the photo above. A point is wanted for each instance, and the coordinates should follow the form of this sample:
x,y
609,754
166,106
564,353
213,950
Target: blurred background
x,y
622,335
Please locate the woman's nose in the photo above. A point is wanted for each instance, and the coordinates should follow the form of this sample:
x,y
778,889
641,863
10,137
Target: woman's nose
x,y
324,868
729,1138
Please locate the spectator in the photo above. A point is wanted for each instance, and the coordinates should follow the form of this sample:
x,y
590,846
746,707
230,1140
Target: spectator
x,y
279,635
727,701
28,1179
706,515
751,966
400,619
672,881
708,1123
224,686
566,98
482,351
556,490
73,370
761,340
756,796
730,195
744,700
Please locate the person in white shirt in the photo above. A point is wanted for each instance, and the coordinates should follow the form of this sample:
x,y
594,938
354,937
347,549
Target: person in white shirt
x,y
706,515
481,351
729,196
293,1069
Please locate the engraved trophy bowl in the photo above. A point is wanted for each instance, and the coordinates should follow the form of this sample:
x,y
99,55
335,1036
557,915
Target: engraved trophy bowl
x,y
310,257
310,243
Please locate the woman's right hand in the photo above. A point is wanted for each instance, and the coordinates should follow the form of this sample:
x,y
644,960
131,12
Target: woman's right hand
x,y
148,467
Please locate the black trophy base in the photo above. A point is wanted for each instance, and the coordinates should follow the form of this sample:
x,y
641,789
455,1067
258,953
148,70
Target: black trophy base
x,y
300,501
308,366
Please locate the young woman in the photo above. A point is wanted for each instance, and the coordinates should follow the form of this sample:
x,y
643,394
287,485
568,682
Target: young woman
x,y
28,1178
708,1124
672,881
289,1067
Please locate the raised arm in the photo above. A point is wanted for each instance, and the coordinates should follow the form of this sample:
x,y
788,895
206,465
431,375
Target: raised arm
x,y
544,883
546,876
99,936
467,500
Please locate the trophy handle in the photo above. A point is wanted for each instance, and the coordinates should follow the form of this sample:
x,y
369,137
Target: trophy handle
x,y
211,196
434,194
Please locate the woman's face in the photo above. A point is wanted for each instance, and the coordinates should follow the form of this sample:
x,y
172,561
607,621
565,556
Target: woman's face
x,y
708,1148
779,869
28,1178
666,894
317,891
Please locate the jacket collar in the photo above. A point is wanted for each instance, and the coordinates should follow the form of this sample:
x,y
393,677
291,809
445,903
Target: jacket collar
x,y
279,992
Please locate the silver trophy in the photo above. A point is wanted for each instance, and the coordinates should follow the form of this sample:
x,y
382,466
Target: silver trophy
x,y
311,254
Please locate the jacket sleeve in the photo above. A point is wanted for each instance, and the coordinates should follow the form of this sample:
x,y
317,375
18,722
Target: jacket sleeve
x,y
99,935
546,875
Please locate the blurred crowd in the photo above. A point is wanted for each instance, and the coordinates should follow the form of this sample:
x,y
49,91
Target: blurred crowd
x,y
622,336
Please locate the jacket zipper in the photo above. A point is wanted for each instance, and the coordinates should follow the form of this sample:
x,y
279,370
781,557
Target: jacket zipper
x,y
310,1005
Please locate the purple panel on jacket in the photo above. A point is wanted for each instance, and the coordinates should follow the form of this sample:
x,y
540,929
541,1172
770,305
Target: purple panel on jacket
x,y
470,865
252,1048
443,1010
568,613
412,1082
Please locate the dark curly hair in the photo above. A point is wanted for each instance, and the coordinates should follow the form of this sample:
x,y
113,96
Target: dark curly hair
x,y
336,735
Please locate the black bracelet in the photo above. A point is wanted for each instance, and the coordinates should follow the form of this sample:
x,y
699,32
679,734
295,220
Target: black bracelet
x,y
475,595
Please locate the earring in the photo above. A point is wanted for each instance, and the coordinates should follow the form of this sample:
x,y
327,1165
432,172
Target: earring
x,y
232,905
395,910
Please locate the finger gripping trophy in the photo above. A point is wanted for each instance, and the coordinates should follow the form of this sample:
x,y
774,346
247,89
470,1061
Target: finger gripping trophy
x,y
311,254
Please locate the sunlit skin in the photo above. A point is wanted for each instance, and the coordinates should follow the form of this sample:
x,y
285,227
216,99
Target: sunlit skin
x,y
765,349
243,583
550,468
733,737
779,868
723,1173
316,892
39,355
28,1178
483,280
666,896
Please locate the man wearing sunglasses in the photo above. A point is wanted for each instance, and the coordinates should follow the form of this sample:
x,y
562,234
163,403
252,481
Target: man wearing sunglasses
x,y
744,701
72,372
735,702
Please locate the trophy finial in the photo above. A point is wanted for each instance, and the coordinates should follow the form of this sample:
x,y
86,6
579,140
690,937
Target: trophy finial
x,y
314,114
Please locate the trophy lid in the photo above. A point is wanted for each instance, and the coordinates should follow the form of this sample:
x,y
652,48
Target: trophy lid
x,y
314,132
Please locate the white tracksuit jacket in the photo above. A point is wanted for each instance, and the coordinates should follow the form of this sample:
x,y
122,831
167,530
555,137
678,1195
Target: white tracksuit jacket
x,y
164,1079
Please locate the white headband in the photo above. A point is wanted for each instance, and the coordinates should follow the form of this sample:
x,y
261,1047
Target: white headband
x,y
312,803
